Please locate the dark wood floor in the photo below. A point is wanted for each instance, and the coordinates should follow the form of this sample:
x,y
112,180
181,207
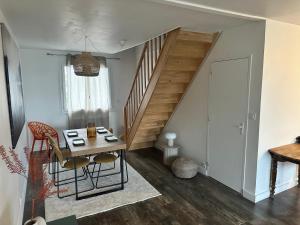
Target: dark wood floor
x,y
200,200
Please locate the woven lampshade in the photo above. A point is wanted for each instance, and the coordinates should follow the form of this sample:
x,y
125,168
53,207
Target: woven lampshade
x,y
86,65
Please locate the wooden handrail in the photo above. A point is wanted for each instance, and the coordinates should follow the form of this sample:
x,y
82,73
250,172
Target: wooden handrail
x,y
152,60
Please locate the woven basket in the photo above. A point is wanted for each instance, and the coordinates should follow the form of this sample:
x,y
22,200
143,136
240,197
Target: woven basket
x,y
184,168
86,65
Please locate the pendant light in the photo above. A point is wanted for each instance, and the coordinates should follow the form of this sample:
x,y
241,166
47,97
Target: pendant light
x,y
85,64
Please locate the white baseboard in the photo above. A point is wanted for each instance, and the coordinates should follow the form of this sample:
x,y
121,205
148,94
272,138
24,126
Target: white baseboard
x,y
203,170
22,204
22,200
249,195
279,188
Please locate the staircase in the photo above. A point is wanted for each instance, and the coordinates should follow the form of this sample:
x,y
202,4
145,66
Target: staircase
x,y
166,68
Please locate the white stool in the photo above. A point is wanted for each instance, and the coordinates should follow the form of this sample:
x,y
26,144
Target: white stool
x,y
170,153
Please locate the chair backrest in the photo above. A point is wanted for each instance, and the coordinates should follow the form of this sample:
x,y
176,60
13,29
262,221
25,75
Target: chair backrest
x,y
56,149
39,130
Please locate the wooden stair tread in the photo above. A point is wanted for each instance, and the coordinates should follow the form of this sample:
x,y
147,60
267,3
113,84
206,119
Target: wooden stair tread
x,y
157,116
174,99
158,108
149,132
168,77
141,139
145,129
141,145
151,125
170,88
190,49
157,95
195,36
182,63
168,73
146,122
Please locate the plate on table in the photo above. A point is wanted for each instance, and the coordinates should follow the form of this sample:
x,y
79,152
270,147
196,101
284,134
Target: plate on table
x,y
111,138
101,130
78,142
72,134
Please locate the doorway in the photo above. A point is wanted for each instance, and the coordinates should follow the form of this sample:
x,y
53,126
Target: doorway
x,y
227,126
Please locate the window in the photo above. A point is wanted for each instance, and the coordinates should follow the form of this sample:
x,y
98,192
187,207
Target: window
x,y
88,94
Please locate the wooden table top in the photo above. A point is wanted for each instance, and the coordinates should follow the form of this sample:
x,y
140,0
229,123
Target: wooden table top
x,y
92,145
291,152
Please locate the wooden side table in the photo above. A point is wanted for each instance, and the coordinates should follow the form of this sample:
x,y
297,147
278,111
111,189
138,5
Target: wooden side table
x,y
286,153
70,220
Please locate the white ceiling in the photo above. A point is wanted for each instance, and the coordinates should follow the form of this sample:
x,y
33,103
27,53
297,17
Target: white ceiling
x,y
282,10
62,24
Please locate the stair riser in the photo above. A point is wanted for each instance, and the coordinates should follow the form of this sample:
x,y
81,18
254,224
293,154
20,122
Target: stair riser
x,y
156,116
188,49
141,145
193,36
182,64
160,108
152,125
138,139
170,90
155,101
145,133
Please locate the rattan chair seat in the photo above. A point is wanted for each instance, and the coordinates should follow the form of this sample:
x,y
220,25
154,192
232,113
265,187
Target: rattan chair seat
x,y
105,158
80,162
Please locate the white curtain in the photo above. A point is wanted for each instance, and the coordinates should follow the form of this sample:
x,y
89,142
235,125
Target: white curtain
x,y
87,99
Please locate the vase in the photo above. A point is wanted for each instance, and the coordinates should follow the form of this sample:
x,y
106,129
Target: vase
x,y
36,221
91,130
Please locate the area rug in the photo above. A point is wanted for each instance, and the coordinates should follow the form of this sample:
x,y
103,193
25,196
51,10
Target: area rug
x,y
136,189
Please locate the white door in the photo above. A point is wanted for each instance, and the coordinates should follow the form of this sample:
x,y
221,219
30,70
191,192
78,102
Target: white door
x,y
228,109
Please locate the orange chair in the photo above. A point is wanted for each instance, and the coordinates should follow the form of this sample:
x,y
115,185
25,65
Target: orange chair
x,y
39,131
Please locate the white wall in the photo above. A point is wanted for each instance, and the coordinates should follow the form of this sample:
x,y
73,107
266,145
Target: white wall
x,y
122,73
190,119
12,187
43,86
280,108
138,50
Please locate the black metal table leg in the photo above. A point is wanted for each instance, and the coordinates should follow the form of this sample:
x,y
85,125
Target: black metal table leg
x,y
67,146
53,166
122,168
273,176
57,169
76,184
298,175
120,185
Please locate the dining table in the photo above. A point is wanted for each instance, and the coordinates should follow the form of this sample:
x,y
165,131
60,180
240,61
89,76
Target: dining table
x,y
93,146
286,153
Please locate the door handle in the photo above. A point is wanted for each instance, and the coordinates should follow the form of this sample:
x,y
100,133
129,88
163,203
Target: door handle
x,y
241,127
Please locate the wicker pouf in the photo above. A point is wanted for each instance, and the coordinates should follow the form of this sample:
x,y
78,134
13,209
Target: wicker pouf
x,y
184,168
